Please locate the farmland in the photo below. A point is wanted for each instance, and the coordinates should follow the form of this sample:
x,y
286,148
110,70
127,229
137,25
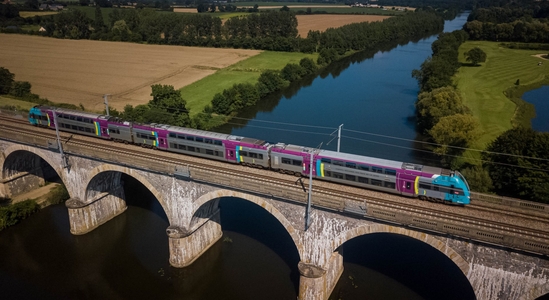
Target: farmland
x,y
81,71
323,22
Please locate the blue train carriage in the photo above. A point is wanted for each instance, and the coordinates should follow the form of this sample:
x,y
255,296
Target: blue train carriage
x,y
39,117
442,185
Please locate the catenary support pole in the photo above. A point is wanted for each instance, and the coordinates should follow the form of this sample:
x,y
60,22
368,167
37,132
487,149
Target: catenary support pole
x,y
339,137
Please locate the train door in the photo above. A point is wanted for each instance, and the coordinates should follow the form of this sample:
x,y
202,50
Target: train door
x,y
230,154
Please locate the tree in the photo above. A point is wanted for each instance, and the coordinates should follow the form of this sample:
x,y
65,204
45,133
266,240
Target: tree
x,y
166,98
6,80
270,81
439,103
478,178
454,131
518,162
475,56
20,88
98,23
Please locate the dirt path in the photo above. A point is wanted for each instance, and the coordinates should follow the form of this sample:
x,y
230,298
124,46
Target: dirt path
x,y
39,194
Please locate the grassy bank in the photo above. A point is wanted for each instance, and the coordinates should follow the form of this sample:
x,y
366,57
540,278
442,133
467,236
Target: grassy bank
x,y
7,102
484,87
201,93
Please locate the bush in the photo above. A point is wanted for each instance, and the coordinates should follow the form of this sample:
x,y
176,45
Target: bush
x,y
14,213
58,195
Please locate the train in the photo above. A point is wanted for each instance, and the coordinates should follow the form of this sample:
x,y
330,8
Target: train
x,y
402,178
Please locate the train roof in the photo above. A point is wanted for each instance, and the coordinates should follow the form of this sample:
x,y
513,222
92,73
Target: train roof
x,y
246,140
384,162
76,112
191,131
290,147
360,158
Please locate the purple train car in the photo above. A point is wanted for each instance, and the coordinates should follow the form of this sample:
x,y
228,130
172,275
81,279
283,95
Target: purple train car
x,y
71,121
430,183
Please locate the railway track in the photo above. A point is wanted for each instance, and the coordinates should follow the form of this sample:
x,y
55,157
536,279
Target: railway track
x,y
456,214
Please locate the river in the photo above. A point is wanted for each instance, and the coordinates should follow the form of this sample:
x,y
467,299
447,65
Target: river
x,y
127,258
540,99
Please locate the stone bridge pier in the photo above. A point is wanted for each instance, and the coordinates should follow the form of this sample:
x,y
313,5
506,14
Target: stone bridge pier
x,y
191,204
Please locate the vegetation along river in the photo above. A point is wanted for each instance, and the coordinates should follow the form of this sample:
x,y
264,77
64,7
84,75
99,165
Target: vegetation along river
x,y
127,258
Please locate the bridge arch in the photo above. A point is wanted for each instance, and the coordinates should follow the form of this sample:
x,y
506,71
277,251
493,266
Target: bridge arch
x,y
423,237
258,201
55,164
130,172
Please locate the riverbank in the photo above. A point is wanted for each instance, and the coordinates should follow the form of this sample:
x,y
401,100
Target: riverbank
x,y
491,91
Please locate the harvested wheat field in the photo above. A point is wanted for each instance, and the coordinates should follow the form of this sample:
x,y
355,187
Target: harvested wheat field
x,y
323,22
81,71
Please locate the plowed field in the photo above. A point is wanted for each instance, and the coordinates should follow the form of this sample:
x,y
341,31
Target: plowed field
x,y
81,71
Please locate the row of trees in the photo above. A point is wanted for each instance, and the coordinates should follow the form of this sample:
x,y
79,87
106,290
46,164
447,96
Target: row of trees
x,y
241,95
8,86
271,30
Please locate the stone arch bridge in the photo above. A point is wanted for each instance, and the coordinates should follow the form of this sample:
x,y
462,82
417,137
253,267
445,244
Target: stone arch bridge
x,y
190,199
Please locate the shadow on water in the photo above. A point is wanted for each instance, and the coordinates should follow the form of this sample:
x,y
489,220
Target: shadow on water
x,y
269,103
389,266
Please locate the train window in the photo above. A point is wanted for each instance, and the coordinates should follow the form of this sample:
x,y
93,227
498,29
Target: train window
x,y
73,118
296,162
199,139
363,180
363,167
376,182
425,186
408,185
338,175
286,161
389,184
244,153
260,156
338,163
390,172
190,138
218,143
80,128
182,147
181,137
377,170
173,135
326,160
209,152
435,188
252,155
190,148
208,141
217,153
173,145
88,130
74,127
327,174
79,119
350,177
350,165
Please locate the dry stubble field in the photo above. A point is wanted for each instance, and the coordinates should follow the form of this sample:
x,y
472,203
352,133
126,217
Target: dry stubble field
x,y
323,22
81,71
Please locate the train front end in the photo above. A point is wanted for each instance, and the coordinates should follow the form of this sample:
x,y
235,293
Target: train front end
x,y
462,183
39,118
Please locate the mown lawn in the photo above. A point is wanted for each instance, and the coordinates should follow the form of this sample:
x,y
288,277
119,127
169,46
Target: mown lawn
x,y
201,93
482,87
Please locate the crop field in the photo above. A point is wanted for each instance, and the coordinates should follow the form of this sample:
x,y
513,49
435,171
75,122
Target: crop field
x,y
323,22
482,87
30,14
82,71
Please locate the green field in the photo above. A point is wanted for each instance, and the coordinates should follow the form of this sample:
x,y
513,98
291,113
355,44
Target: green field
x,y
201,93
482,87
20,105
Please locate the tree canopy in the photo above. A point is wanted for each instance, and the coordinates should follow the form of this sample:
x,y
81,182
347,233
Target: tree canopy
x,y
518,163
439,103
475,56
